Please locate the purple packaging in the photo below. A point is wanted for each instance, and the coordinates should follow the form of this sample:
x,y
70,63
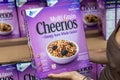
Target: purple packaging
x,y
100,67
101,8
27,71
92,17
110,18
61,2
8,72
63,31
101,4
90,71
118,11
21,7
8,20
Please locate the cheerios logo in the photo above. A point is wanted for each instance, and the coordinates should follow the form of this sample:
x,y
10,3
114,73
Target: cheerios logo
x,y
58,23
53,27
30,77
6,76
6,14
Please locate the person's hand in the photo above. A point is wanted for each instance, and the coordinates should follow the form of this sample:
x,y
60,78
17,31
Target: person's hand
x,y
67,76
98,56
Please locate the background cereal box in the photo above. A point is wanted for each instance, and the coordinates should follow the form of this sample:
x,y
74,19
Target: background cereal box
x,y
8,20
58,39
92,17
118,11
60,2
27,71
90,71
100,67
8,72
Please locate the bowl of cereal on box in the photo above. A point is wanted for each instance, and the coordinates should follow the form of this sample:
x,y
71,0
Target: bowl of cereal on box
x,y
90,19
62,51
5,29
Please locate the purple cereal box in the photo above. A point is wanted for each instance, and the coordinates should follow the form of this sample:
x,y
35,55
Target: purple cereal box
x,y
110,18
61,2
27,71
91,15
58,39
100,67
101,4
6,1
118,11
8,20
101,8
8,72
90,71
21,7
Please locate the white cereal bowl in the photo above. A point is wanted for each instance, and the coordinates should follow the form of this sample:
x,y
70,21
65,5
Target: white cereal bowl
x,y
63,60
89,24
6,33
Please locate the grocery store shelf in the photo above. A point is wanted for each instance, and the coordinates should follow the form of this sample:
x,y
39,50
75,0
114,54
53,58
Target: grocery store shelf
x,y
14,50
17,53
95,40
11,42
17,50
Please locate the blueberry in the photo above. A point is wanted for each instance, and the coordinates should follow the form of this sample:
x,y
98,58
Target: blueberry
x,y
92,20
64,52
54,47
71,44
4,29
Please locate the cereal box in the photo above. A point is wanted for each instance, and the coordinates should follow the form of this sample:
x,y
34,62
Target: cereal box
x,y
61,2
8,20
118,11
100,67
58,39
8,72
101,9
90,71
91,15
21,7
27,71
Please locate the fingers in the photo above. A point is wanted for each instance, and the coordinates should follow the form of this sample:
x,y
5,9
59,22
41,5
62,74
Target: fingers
x,y
65,75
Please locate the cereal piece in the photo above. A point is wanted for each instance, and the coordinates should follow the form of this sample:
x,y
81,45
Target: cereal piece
x,y
53,66
38,56
40,69
39,64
